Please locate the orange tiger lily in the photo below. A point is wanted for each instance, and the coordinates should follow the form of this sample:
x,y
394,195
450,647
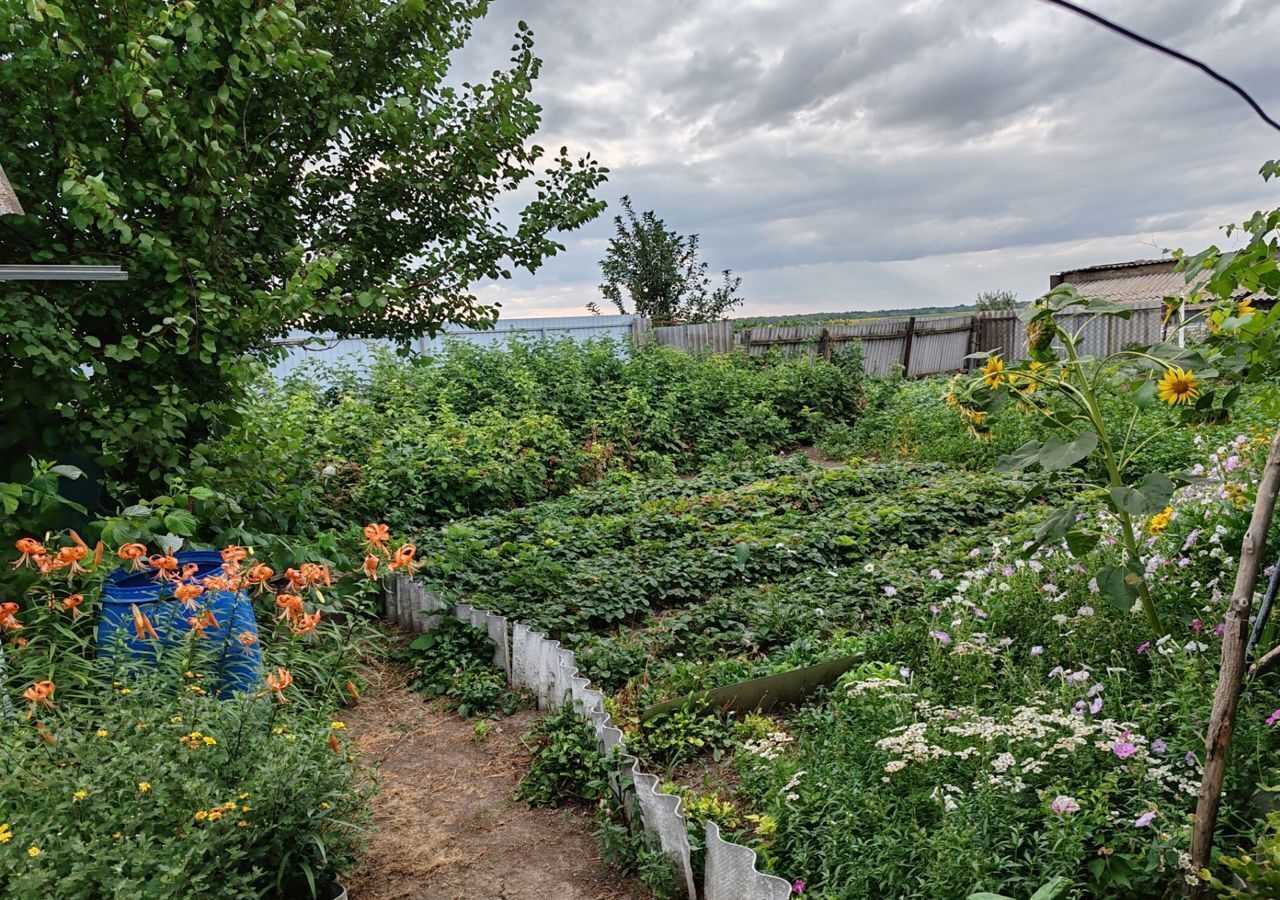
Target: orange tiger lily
x,y
234,555
142,625
45,734
376,535
32,551
297,581
40,693
290,606
166,566
247,638
70,557
353,690
277,682
73,603
134,554
403,558
8,620
305,624
370,567
205,620
259,574
187,593
315,574
333,743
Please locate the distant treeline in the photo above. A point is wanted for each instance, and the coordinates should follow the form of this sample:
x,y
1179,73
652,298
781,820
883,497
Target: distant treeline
x,y
843,318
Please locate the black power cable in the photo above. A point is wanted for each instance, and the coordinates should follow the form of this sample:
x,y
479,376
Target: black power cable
x,y
1167,51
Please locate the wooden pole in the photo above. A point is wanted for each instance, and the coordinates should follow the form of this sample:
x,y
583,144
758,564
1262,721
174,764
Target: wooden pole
x,y
1226,697
824,345
906,347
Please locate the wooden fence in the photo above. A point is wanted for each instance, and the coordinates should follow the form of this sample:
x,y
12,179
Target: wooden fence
x,y
916,346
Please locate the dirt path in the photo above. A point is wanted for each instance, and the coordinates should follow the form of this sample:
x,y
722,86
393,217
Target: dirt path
x,y
445,824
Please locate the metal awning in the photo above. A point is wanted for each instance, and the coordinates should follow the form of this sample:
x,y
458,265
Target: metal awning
x,y
63,273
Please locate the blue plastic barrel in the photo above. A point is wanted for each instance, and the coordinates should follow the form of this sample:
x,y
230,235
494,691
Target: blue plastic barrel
x,y
237,667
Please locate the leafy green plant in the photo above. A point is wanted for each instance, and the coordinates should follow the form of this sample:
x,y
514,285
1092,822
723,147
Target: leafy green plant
x,y
685,732
1052,889
566,765
455,660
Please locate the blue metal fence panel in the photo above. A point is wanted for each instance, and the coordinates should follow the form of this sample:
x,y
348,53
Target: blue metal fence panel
x,y
303,347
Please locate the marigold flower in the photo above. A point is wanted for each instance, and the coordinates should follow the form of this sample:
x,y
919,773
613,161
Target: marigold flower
x,y
33,851
142,626
144,786
1160,521
31,550
1178,387
370,567
6,835
40,693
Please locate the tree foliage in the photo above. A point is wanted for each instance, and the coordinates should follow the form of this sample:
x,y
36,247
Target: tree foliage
x,y
658,270
256,167
993,300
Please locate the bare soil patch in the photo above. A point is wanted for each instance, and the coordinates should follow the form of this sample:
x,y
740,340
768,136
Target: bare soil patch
x,y
446,826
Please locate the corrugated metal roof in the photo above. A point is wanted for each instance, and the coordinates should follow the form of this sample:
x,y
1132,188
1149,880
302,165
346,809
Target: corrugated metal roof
x,y
9,205
1131,282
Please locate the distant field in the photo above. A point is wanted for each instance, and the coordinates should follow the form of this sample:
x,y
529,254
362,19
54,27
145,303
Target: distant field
x,y
844,318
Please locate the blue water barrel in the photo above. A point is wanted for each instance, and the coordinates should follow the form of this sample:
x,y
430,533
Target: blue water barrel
x,y
236,667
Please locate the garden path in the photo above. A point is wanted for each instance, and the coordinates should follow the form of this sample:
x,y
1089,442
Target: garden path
x,y
446,826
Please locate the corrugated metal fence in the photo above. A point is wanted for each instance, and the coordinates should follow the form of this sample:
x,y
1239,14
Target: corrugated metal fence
x,y
927,345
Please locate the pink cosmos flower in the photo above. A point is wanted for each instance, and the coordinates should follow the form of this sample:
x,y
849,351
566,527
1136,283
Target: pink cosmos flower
x,y
797,886
1274,717
1144,647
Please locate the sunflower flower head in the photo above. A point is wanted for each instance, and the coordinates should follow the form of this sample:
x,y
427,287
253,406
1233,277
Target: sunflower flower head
x,y
1178,386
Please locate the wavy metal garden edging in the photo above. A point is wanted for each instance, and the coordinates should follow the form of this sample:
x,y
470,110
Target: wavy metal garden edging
x,y
532,661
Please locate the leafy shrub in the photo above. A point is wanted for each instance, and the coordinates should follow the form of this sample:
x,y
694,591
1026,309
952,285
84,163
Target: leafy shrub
x,y
566,764
683,733
455,660
421,440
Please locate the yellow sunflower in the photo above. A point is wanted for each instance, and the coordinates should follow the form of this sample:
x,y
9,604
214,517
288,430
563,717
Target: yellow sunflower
x,y
1244,309
993,372
1178,386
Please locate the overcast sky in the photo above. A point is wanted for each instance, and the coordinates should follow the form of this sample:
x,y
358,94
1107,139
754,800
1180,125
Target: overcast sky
x,y
867,154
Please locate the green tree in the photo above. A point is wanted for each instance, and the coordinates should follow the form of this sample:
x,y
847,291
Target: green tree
x,y
658,270
257,166
992,300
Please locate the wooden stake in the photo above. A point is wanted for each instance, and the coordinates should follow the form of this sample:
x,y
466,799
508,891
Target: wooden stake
x,y
1234,641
